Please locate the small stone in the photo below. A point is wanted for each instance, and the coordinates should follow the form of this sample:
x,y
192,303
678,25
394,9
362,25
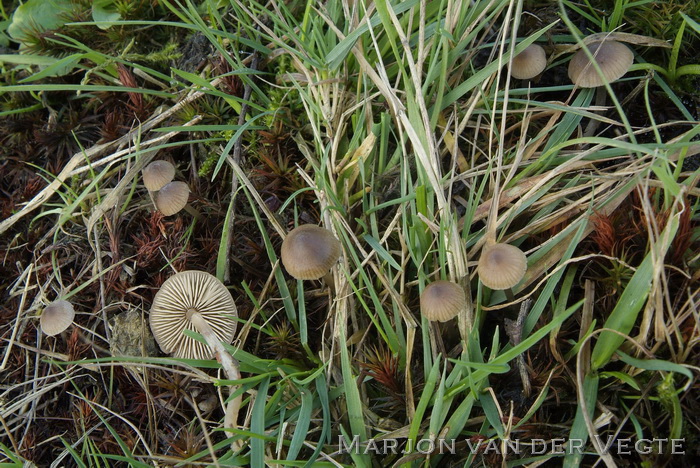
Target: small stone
x,y
209,404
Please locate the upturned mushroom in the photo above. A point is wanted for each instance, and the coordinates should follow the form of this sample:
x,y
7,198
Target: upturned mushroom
x,y
613,58
197,301
529,63
442,301
56,317
157,174
501,266
309,252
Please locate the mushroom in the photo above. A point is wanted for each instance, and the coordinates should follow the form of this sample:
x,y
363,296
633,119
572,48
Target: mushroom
x,y
501,266
157,174
56,317
197,301
172,197
309,252
613,58
529,63
442,301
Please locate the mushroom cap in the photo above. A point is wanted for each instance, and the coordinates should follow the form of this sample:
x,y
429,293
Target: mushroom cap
x,y
501,266
181,295
529,63
613,58
442,301
157,174
172,197
56,317
309,251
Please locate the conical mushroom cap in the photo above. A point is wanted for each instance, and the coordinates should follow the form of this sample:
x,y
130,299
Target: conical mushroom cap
x,y
529,63
442,301
56,317
501,266
157,174
309,251
172,198
613,58
183,294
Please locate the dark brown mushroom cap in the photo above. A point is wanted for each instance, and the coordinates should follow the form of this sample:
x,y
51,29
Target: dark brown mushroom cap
x,y
613,58
529,63
157,174
179,297
309,251
172,198
442,301
56,317
501,266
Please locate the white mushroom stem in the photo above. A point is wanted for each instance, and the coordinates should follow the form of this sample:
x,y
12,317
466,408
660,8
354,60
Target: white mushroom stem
x,y
227,362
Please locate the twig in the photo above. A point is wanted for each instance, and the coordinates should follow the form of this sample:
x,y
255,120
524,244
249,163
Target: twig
x,y
514,330
27,274
207,438
237,149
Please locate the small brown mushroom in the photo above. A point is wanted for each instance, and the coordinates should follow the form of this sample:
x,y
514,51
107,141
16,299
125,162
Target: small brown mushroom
x,y
501,266
442,301
613,58
529,63
56,317
157,174
172,198
309,251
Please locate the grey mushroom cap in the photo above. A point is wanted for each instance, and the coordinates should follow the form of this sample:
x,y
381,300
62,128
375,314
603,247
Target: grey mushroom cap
x,y
157,174
501,266
172,198
56,317
529,63
182,295
613,58
442,301
309,251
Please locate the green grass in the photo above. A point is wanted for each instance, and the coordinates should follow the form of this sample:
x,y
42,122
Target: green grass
x,y
396,126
